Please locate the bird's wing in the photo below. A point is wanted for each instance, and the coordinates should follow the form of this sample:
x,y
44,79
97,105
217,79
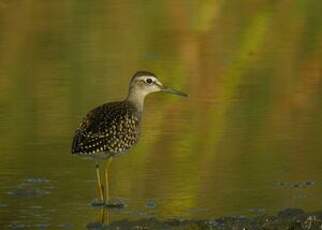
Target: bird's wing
x,y
90,135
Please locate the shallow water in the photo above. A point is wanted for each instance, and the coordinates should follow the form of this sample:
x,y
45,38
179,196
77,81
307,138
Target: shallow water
x,y
246,141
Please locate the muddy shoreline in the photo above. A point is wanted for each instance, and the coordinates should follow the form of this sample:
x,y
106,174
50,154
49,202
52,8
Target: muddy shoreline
x,y
290,219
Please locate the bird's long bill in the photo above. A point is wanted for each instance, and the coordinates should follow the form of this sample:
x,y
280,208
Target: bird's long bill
x,y
173,91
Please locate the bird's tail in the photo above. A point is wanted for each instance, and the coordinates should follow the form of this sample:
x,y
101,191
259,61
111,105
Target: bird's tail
x,y
77,140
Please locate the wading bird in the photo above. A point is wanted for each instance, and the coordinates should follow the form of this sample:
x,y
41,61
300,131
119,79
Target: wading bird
x,y
114,128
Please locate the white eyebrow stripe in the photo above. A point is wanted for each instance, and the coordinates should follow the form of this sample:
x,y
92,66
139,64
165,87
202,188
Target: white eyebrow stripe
x,y
147,76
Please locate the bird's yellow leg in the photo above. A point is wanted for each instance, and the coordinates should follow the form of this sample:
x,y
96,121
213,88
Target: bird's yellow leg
x,y
99,183
107,166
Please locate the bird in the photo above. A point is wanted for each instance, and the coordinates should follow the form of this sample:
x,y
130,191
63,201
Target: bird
x,y
113,128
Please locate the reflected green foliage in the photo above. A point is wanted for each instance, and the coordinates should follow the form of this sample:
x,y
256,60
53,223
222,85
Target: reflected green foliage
x,y
253,118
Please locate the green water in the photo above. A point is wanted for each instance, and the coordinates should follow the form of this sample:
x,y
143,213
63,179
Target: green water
x,y
247,140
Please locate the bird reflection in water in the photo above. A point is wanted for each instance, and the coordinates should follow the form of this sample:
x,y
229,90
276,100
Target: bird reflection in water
x,y
103,219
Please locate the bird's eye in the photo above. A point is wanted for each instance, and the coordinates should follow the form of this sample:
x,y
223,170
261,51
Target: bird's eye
x,y
149,81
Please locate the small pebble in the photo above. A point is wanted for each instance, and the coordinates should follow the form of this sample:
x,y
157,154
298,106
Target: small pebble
x,y
151,204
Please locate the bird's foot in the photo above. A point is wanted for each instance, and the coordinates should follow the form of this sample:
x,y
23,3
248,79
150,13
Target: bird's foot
x,y
98,203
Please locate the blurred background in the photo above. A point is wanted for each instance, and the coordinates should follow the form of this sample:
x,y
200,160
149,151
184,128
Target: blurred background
x,y
248,139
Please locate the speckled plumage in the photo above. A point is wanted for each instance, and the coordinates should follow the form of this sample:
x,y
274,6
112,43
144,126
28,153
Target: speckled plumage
x,y
111,129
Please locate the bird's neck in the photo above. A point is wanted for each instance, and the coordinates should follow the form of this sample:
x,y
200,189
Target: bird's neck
x,y
137,98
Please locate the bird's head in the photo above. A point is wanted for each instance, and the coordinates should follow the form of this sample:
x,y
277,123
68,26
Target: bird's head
x,y
144,83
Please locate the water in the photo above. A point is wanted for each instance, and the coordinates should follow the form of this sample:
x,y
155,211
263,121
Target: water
x,y
246,141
